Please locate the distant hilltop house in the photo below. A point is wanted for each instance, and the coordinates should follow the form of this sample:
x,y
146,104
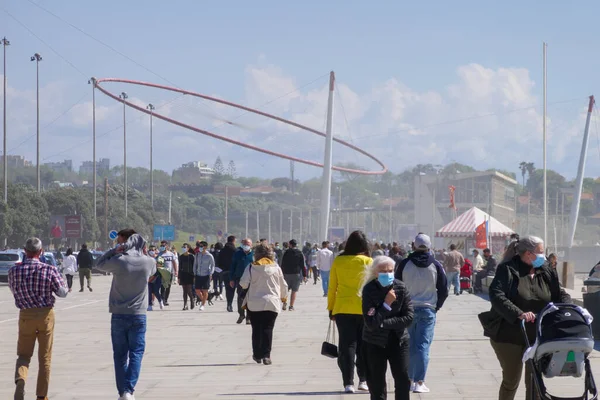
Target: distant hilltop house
x,y
193,171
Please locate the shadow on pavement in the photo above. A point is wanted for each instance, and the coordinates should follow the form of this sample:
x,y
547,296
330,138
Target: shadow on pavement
x,y
332,393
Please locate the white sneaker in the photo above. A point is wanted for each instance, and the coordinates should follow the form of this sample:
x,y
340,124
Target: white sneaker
x,y
421,388
161,305
413,386
128,396
201,308
349,389
362,386
221,297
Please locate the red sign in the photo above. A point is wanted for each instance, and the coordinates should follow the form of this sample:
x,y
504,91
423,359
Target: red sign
x,y
481,236
73,226
452,204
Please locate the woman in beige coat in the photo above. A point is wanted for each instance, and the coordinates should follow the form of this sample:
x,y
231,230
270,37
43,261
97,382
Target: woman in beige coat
x,y
266,290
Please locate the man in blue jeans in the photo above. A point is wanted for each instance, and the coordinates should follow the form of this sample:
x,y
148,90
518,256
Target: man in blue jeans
x,y
427,284
128,301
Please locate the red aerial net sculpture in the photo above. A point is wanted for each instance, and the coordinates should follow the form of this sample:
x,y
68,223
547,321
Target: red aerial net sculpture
x,y
155,114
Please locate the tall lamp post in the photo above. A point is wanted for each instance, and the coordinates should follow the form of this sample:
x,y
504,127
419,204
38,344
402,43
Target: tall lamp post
x,y
5,43
151,108
37,58
92,81
123,96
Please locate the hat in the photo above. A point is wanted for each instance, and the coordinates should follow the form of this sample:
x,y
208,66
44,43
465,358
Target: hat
x,y
422,242
293,243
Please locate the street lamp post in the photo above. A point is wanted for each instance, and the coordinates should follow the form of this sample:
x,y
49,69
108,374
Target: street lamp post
x,y
92,81
37,58
123,96
152,108
5,43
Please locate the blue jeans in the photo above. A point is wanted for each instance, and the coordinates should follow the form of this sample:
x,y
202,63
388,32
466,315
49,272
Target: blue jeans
x,y
128,334
325,281
421,336
154,289
454,279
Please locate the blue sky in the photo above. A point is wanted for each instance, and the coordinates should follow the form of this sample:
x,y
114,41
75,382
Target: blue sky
x,y
435,61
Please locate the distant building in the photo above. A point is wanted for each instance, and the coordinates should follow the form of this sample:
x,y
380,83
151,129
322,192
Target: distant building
x,y
15,161
202,168
61,166
489,191
102,167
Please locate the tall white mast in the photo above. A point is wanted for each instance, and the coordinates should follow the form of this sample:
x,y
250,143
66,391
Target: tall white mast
x,y
545,171
327,163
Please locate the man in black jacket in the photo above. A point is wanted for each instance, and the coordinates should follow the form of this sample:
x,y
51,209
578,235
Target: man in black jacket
x,y
292,265
85,261
488,270
224,262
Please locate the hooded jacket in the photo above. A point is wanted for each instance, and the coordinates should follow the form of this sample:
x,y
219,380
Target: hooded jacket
x,y
131,270
425,279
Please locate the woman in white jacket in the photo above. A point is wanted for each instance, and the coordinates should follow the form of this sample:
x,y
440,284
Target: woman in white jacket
x,y
266,290
70,267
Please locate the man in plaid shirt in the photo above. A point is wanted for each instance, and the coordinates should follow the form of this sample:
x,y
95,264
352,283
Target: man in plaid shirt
x,y
34,285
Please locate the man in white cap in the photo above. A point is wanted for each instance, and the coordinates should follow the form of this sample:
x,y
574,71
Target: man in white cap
x,y
427,284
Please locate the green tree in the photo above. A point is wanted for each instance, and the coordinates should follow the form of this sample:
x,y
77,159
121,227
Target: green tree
x,y
218,168
231,170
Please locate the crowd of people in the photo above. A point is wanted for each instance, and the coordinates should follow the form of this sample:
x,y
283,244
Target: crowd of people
x,y
383,300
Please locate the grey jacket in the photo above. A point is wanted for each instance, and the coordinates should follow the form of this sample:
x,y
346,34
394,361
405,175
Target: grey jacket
x,y
204,264
131,271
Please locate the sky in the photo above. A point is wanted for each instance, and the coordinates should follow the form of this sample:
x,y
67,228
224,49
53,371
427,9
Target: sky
x,y
416,82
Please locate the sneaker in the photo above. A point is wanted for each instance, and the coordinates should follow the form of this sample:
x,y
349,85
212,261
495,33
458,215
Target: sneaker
x,y
201,308
248,321
90,288
229,308
166,304
127,396
267,361
185,308
413,386
291,308
349,389
161,305
192,305
257,360
362,386
81,291
421,388
221,297
149,308
284,306
240,319
324,294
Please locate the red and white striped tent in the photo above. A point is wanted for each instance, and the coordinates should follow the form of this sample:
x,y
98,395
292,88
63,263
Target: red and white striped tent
x,y
465,224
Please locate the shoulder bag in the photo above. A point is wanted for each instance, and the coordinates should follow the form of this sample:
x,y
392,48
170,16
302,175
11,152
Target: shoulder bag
x,y
329,348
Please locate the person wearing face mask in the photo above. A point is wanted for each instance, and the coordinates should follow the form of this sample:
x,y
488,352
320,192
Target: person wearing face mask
x,y
171,266
243,257
186,275
387,312
204,268
523,285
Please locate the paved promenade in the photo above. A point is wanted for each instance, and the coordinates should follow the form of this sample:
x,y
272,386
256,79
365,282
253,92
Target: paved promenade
x,y
205,355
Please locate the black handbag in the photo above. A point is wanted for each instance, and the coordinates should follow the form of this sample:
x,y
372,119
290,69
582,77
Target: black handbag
x,y
491,322
329,348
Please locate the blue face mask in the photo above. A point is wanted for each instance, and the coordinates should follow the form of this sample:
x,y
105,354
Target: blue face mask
x,y
386,278
201,249
540,259
162,248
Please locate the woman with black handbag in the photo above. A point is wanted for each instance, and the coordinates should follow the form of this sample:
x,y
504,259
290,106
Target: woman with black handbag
x,y
387,312
523,285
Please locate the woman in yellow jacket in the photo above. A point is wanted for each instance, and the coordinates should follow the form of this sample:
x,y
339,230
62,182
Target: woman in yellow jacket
x,y
345,308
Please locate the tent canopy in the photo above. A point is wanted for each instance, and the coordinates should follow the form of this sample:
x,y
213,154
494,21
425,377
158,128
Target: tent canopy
x,y
465,224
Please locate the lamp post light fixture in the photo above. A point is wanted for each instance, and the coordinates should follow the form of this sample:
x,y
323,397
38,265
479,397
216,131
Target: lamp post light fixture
x,y
37,58
123,96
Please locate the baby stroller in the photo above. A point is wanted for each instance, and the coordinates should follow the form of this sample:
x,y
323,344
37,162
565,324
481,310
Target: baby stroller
x,y
466,273
563,343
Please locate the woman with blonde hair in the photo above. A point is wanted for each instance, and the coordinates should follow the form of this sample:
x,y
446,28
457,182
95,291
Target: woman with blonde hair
x,y
266,290
387,312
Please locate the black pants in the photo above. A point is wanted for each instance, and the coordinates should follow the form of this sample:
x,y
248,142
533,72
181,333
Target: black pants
x,y
263,323
218,283
240,298
187,292
69,281
478,280
377,358
315,272
350,327
164,293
